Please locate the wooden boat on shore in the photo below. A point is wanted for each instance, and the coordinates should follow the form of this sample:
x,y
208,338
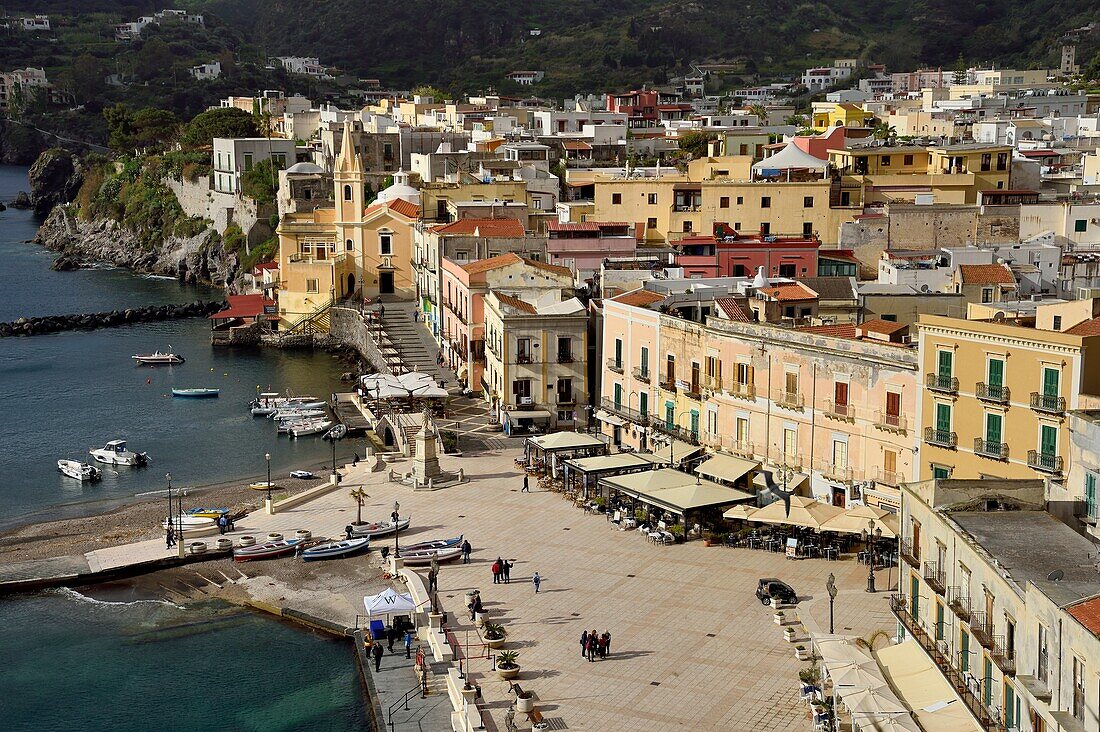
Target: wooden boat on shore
x,y
426,556
336,549
80,471
266,551
189,522
433,544
263,485
198,393
213,513
156,358
379,528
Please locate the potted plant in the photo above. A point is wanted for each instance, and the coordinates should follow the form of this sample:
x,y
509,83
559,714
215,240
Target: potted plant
x,y
801,653
493,634
525,701
507,667
788,633
677,530
778,617
708,538
809,675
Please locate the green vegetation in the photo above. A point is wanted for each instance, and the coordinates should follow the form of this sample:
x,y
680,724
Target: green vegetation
x,y
695,143
227,122
260,183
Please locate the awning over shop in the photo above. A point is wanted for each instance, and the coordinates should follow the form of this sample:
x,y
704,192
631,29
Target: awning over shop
x,y
804,512
528,414
935,704
609,463
674,491
678,451
856,520
558,440
605,416
726,467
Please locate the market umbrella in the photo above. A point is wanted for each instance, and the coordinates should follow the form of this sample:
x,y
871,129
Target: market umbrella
x,y
804,512
740,512
855,520
855,676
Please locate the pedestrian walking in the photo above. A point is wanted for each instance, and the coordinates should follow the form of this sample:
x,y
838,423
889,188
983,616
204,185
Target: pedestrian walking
x,y
590,647
536,581
584,642
471,607
607,641
408,642
507,571
381,311
391,636
433,577
170,537
376,651
526,484
498,569
466,549
222,524
416,315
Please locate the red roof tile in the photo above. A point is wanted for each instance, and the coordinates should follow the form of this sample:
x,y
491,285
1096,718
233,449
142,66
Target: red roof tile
x,y
508,258
491,228
555,225
405,208
789,292
1087,612
733,309
1086,328
244,306
878,325
842,330
515,302
986,274
639,298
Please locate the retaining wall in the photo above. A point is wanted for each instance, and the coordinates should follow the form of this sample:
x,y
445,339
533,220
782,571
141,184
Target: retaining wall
x,y
348,327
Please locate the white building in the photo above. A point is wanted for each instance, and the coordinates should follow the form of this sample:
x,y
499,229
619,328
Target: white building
x,y
208,70
19,82
526,78
130,31
234,156
35,23
823,77
306,65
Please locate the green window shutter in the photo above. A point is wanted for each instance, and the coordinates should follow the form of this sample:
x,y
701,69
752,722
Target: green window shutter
x,y
618,351
618,395
914,596
993,424
645,360
943,417
940,473
694,423
1010,706
1050,382
996,372
964,651
643,404
939,621
945,363
1090,494
670,414
1048,440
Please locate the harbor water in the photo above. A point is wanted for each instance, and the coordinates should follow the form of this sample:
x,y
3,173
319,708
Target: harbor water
x,y
63,394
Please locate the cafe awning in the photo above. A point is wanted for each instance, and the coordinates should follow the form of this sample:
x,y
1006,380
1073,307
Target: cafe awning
x,y
674,491
856,520
609,463
528,414
917,682
804,512
726,467
677,451
559,440
605,416
740,513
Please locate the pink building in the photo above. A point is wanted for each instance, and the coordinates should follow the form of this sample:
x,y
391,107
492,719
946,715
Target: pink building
x,y
584,246
465,286
740,255
819,145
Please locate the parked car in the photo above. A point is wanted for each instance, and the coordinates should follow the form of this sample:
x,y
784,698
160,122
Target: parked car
x,y
770,590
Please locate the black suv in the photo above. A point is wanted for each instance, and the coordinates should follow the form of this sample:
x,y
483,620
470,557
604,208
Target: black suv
x,y
771,590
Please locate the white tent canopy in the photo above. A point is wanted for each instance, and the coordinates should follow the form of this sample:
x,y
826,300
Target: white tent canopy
x,y
389,602
792,157
407,385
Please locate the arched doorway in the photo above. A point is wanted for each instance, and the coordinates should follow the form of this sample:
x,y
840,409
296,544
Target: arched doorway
x,y
351,285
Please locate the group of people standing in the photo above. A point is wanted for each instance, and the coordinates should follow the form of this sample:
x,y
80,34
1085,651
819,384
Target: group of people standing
x,y
502,570
594,644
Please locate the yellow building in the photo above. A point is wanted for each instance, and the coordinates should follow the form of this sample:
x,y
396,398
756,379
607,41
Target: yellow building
x,y
994,393
349,250
721,190
844,114
950,173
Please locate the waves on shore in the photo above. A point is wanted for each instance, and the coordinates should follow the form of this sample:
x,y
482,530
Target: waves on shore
x,y
74,595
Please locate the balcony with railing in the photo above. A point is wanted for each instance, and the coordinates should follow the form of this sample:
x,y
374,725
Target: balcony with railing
x,y
743,391
641,374
675,430
744,448
909,552
996,393
891,422
788,399
941,438
566,399
614,364
1048,403
888,477
781,459
565,357
899,604
625,412
935,577
1042,462
981,627
991,449
838,472
712,384
942,384
838,410
959,601
668,385
694,391
524,357
1003,656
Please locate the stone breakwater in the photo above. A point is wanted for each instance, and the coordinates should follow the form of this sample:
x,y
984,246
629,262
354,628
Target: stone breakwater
x,y
91,321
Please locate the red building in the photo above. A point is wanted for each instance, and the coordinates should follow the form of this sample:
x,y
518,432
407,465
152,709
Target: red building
x,y
742,254
647,107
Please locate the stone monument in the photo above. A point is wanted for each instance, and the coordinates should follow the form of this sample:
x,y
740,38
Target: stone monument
x,y
426,460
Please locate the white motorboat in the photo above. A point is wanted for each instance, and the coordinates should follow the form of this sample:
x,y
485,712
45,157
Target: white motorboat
x,y
78,470
298,410
284,426
156,358
265,404
310,428
115,452
306,414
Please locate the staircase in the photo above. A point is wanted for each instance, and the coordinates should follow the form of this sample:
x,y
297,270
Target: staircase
x,y
310,323
407,345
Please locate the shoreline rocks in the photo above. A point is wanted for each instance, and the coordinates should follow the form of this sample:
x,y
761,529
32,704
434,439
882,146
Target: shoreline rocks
x,y
92,321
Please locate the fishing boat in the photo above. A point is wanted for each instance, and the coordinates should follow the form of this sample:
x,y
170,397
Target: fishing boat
x,y
266,551
298,410
196,393
116,453
434,544
302,474
78,470
336,549
156,358
264,405
379,528
310,428
263,485
188,522
213,513
426,556
297,414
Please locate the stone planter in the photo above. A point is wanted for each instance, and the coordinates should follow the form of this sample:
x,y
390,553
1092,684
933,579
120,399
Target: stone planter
x,y
778,618
525,703
788,634
479,619
495,642
802,654
274,536
508,673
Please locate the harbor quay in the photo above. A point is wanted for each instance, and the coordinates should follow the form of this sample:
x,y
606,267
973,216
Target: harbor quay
x,y
692,646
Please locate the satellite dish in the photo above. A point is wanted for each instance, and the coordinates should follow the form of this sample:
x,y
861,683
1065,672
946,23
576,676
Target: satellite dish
x,y
998,316
1056,575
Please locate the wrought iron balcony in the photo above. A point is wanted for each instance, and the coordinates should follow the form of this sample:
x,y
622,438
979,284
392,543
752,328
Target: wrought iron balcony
x,y
1048,403
633,415
992,392
565,357
1043,462
981,628
788,399
669,385
935,578
1003,656
837,410
614,364
694,392
941,438
959,602
991,449
909,552
566,399
945,384
743,391
641,374
524,358
675,430
891,422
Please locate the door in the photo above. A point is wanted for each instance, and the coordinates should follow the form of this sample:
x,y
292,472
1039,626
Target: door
x,y
890,465
943,417
695,424
694,377
939,620
964,651
893,408
914,596
618,396
643,404
385,283
1048,441
993,423
944,365
840,397
996,372
1050,382
670,371
987,682
351,285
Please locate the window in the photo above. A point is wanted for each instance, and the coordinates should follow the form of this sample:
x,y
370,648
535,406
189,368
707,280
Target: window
x,y
348,245
987,294
742,431
995,372
807,202
724,202
744,374
695,424
347,193
670,414
311,286
939,620
538,203
687,227
247,162
885,160
944,364
943,417
618,399
765,229
964,651
565,349
790,441
651,223
941,472
740,200
652,199
840,397
644,361
986,163
790,383
521,388
907,160
765,202
670,370
743,149
788,312
1090,495
616,199
1078,706
840,455
643,403
1043,660
1081,225
807,229
1057,322
619,353
1002,161
994,424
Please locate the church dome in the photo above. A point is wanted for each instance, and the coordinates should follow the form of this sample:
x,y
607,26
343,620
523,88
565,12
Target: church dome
x,y
305,167
399,189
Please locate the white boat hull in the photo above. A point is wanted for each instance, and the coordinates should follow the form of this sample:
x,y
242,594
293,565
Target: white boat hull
x,y
78,470
309,428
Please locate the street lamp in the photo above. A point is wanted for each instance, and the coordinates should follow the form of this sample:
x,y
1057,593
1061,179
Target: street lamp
x,y
830,586
396,528
179,514
267,457
871,534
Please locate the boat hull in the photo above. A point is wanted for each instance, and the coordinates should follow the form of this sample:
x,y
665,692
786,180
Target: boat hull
x,y
196,393
336,549
382,528
426,557
266,551
77,470
435,544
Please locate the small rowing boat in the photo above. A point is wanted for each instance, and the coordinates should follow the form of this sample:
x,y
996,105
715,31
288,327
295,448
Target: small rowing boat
x,y
310,427
266,551
156,358
434,544
189,522
198,393
379,528
263,485
426,556
213,513
80,471
336,549
301,474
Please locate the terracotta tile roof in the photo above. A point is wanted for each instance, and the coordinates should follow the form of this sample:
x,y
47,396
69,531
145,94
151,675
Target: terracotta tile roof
x,y
491,228
878,325
484,265
555,225
842,330
639,298
733,309
790,292
516,303
1087,328
1087,613
245,306
576,145
405,208
986,274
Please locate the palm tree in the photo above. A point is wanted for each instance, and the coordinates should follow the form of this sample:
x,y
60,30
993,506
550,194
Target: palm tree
x,y
760,111
884,131
359,495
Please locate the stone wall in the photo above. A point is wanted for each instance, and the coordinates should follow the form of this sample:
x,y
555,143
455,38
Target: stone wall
x,y
198,198
347,326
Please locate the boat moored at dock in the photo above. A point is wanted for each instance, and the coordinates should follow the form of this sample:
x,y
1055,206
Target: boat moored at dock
x,y
336,549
